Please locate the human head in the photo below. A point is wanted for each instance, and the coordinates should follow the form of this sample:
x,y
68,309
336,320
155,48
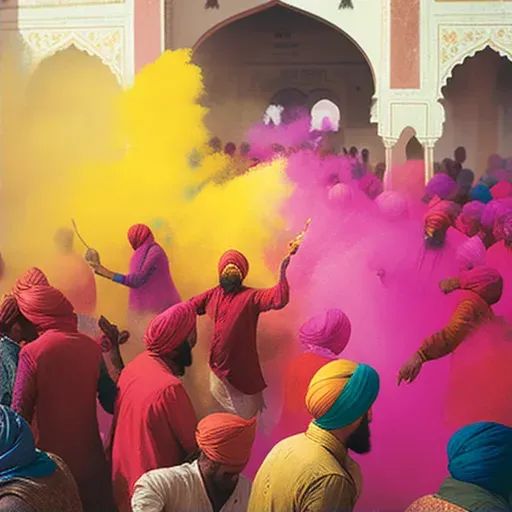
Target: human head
x,y
469,220
442,186
471,253
380,170
63,239
370,185
32,277
439,217
18,455
393,205
503,227
245,148
230,149
47,308
215,145
171,335
494,162
225,441
365,155
465,180
450,168
329,331
481,454
339,398
233,269
501,190
139,234
460,155
485,281
13,324
341,194
353,152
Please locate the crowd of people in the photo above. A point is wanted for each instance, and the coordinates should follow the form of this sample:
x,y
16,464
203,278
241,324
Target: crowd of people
x,y
57,365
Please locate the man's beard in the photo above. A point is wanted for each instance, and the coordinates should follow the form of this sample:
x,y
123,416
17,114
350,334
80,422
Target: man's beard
x,y
182,359
359,441
230,283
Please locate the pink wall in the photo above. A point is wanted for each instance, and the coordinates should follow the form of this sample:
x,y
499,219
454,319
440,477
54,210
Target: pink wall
x,y
148,32
405,44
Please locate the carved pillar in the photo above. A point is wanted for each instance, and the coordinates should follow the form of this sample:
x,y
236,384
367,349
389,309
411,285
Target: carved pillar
x,y
388,178
429,144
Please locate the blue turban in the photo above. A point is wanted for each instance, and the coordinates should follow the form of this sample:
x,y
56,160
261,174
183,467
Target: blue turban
x,y
481,454
480,193
18,455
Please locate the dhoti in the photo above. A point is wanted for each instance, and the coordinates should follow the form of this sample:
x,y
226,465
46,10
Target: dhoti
x,y
233,401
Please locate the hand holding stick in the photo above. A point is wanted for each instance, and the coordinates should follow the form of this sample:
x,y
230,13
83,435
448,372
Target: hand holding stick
x,y
295,244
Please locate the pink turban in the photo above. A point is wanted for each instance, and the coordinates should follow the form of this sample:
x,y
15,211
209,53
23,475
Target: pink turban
x,y
443,186
471,253
330,330
341,193
139,234
393,205
167,331
9,313
32,277
47,308
468,222
503,226
370,185
226,439
440,215
484,281
235,258
491,211
501,190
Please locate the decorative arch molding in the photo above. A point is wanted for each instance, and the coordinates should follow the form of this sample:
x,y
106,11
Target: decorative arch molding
x,y
104,43
459,42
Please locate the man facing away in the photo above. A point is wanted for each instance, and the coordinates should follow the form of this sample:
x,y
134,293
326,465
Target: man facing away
x,y
213,482
313,472
154,421
236,381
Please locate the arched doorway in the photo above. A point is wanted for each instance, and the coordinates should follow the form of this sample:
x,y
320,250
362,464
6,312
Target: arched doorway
x,y
284,57
478,110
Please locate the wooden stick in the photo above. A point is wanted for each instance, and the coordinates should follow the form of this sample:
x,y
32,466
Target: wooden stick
x,y
78,234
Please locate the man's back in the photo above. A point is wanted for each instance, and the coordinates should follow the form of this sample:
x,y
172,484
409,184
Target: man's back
x,y
308,472
154,423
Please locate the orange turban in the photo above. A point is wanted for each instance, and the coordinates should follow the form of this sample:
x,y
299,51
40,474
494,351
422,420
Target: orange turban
x,y
32,277
139,234
235,258
47,308
227,439
167,331
441,215
484,281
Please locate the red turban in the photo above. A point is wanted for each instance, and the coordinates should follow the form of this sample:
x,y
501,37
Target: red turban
x,y
227,439
235,258
330,331
167,331
32,277
484,281
139,234
501,190
441,215
9,313
47,308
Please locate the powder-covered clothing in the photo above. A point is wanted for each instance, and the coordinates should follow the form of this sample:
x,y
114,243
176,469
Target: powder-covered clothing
x,y
151,286
310,472
9,354
181,489
55,493
55,392
154,424
471,312
234,354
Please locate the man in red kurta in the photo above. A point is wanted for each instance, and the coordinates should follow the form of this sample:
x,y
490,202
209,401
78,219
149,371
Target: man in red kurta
x,y
55,391
154,421
237,382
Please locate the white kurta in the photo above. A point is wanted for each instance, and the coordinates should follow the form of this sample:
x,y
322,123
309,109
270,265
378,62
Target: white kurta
x,y
181,489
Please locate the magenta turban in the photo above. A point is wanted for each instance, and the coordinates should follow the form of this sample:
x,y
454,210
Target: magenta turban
x,y
501,190
491,211
330,330
341,193
167,331
235,258
443,186
370,185
503,226
469,221
393,205
471,253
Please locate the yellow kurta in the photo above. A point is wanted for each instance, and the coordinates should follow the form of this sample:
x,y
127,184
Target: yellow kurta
x,y
311,472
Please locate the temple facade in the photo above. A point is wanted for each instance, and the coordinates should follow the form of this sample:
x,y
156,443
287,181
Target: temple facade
x,y
386,71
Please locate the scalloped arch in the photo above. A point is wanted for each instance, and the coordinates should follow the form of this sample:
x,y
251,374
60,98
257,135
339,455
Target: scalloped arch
x,y
497,38
89,42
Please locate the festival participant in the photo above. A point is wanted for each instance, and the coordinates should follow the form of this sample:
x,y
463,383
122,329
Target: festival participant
x,y
370,185
471,254
151,287
72,275
213,482
31,480
55,391
442,186
380,171
154,421
236,380
459,155
484,287
32,277
313,472
230,149
469,220
480,467
215,145
365,159
501,190
465,180
323,338
439,218
480,192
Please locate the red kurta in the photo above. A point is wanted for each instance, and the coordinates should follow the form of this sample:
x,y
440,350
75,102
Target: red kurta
x,y
55,391
154,424
234,354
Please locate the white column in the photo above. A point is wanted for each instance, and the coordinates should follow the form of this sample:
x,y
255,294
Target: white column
x,y
429,144
388,178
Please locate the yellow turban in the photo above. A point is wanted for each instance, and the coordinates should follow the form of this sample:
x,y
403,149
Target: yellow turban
x,y
341,392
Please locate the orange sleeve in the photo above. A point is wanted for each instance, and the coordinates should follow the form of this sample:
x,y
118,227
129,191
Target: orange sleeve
x,y
444,342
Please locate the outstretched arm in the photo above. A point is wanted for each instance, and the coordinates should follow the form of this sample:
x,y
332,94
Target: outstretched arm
x,y
276,297
25,388
200,302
